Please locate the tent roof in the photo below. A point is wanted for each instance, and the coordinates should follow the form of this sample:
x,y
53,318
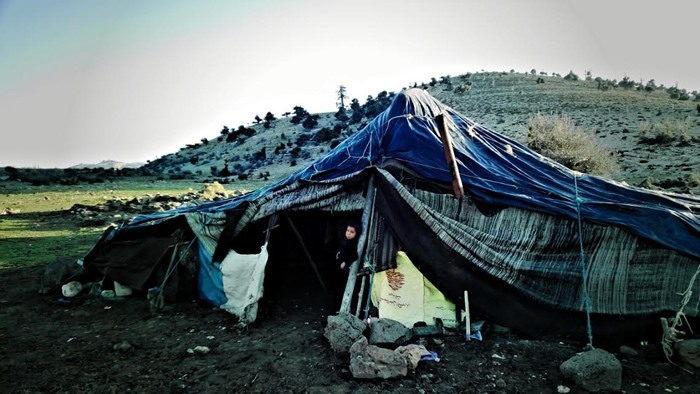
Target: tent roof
x,y
407,133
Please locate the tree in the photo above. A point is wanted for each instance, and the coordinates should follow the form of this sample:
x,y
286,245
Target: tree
x,y
341,97
299,115
650,86
269,117
342,115
357,111
224,131
257,119
571,76
310,122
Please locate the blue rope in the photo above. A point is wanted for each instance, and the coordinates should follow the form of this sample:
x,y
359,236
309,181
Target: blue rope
x,y
586,297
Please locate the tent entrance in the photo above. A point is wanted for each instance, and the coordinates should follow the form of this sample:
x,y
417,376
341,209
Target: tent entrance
x,y
301,262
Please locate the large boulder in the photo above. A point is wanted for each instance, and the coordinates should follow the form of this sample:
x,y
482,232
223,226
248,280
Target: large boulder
x,y
594,370
371,362
689,351
389,333
342,331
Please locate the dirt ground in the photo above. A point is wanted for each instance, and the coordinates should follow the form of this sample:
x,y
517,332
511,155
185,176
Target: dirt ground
x,y
97,345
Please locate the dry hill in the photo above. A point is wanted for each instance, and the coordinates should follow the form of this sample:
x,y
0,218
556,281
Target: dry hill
x,y
653,132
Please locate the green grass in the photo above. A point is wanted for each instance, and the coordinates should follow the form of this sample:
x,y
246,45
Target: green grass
x,y
43,231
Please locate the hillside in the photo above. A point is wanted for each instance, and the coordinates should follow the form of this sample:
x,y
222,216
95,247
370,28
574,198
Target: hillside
x,y
653,135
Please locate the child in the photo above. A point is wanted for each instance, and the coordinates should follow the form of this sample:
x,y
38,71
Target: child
x,y
347,251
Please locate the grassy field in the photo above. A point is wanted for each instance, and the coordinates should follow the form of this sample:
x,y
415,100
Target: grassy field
x,y
40,229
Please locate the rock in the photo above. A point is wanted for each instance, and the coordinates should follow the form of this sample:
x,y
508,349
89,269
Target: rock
x,y
199,350
388,332
500,383
122,347
11,211
689,351
412,353
71,289
594,370
342,331
628,351
370,362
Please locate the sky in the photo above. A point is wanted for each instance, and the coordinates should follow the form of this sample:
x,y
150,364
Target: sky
x,y
83,81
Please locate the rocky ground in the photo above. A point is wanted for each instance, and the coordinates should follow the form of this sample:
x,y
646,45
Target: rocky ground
x,y
92,344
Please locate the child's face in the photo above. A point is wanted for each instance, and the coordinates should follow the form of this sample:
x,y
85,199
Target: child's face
x,y
350,232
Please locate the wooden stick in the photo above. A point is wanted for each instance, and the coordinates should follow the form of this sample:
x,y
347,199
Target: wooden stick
x,y
359,296
303,246
450,156
352,271
467,319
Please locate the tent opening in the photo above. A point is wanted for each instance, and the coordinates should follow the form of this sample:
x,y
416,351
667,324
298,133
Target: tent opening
x,y
301,268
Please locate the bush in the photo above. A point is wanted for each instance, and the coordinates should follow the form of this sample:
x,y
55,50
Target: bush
x,y
558,138
310,122
326,134
666,132
571,76
303,139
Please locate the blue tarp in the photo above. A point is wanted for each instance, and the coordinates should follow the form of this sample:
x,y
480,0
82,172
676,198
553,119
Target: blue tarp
x,y
407,133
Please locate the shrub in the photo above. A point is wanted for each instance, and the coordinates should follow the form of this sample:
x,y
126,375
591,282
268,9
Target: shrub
x,y
558,138
303,139
667,131
326,134
310,122
571,76
260,155
342,115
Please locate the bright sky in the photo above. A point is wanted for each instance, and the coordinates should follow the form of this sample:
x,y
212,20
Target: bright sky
x,y
83,81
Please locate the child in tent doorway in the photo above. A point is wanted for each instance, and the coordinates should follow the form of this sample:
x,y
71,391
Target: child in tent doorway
x,y
347,251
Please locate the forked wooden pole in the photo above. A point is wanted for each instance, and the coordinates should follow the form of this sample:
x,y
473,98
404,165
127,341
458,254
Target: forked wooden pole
x,y
450,156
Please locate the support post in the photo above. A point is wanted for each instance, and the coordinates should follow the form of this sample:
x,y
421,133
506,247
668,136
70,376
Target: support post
x,y
359,296
450,156
308,255
467,318
352,271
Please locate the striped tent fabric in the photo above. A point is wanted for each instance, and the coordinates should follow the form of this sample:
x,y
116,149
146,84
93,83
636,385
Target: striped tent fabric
x,y
539,255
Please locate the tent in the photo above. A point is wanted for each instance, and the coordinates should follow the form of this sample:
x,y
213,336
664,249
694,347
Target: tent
x,y
540,248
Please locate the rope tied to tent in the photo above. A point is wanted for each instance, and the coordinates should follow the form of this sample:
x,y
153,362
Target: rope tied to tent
x,y
584,274
156,298
670,333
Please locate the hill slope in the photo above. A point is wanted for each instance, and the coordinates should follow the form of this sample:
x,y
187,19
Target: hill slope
x,y
654,138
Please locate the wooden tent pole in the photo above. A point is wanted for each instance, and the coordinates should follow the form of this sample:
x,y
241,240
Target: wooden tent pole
x,y
450,156
360,296
308,255
352,271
